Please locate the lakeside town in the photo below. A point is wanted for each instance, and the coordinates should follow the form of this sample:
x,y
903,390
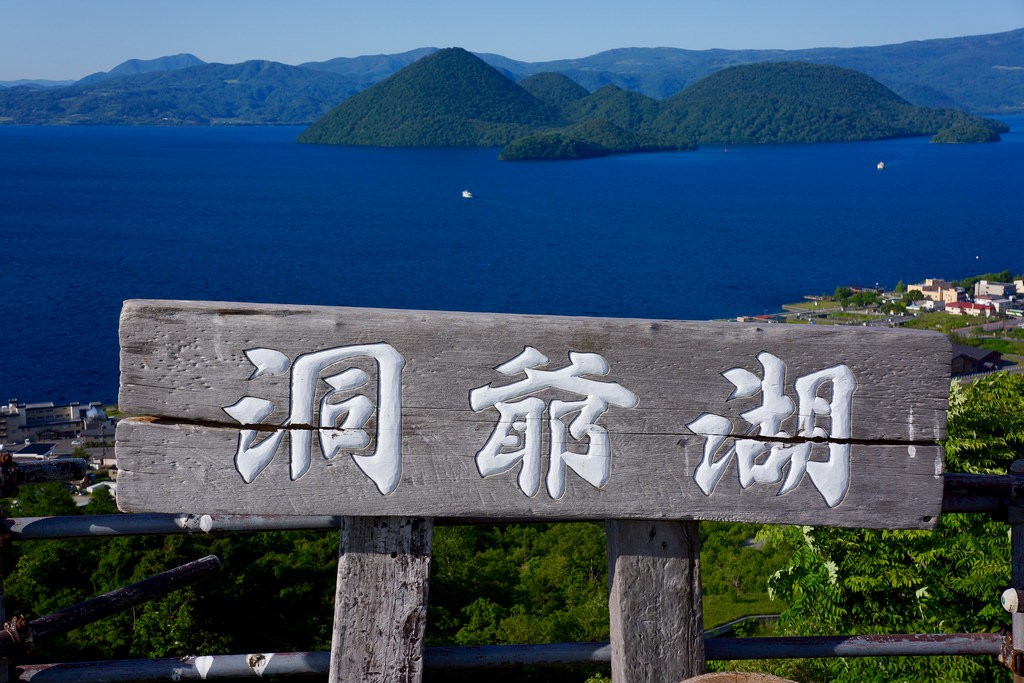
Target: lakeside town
x,y
984,318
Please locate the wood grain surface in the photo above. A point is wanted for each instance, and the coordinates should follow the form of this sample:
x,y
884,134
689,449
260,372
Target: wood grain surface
x,y
184,363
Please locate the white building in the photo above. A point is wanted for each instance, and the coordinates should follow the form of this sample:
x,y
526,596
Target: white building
x,y
35,421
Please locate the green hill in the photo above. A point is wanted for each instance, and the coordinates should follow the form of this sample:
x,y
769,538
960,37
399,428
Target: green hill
x,y
448,98
554,90
628,110
797,102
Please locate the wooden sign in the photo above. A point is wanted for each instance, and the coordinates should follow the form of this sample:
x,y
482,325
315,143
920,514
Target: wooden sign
x,y
270,409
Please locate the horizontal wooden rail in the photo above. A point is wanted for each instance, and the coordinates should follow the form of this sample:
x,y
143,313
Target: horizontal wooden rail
x,y
18,636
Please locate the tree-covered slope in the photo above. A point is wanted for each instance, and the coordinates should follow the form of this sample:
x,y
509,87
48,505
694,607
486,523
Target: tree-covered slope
x,y
628,110
554,90
448,98
595,137
796,102
248,93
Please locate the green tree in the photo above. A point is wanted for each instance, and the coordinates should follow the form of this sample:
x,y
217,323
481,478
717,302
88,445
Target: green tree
x,y
863,299
842,294
947,580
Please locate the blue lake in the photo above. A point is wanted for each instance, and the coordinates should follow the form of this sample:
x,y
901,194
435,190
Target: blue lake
x,y
92,216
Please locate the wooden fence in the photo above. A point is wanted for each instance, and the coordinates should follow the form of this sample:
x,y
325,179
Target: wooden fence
x,y
994,495
379,422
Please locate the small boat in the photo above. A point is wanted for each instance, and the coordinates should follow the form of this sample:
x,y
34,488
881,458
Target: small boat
x,y
466,194
881,165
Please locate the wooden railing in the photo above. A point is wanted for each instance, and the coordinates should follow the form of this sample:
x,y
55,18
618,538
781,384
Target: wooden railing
x,y
999,496
390,421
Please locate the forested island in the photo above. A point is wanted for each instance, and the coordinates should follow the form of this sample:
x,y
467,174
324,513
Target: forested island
x,y
453,98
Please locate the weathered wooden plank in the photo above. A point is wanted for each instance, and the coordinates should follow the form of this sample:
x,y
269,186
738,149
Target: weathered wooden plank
x,y
657,631
380,611
463,416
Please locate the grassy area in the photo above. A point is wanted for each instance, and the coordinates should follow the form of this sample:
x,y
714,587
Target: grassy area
x,y
1003,346
719,609
944,322
855,317
812,306
735,568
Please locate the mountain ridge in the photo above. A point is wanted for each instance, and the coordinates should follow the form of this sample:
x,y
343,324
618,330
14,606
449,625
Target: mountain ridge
x,y
981,74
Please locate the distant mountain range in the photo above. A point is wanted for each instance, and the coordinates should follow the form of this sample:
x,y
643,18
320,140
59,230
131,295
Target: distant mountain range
x,y
981,74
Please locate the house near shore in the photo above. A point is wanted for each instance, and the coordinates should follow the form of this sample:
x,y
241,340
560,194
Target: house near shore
x,y
35,451
927,305
935,289
1000,290
971,308
971,359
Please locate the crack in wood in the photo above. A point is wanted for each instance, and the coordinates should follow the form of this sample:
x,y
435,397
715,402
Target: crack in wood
x,y
792,441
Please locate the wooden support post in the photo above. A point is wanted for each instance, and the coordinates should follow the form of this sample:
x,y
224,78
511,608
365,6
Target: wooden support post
x,y
5,664
1015,516
655,600
380,609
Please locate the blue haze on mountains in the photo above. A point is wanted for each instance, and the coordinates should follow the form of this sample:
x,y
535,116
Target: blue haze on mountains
x,y
95,215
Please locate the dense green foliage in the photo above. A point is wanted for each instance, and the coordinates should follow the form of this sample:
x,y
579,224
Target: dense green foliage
x,y
969,132
489,584
550,146
625,109
591,138
449,98
943,581
1001,276
518,584
797,102
555,90
274,593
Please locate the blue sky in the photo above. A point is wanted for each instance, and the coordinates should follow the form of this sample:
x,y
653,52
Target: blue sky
x,y
65,39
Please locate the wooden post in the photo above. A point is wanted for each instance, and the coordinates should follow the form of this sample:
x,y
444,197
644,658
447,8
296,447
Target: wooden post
x,y
380,608
5,664
1015,516
657,631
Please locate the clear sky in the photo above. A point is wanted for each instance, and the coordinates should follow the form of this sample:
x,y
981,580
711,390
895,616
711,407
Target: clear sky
x,y
68,39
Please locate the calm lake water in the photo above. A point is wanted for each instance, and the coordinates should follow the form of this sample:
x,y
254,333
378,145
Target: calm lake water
x,y
93,215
